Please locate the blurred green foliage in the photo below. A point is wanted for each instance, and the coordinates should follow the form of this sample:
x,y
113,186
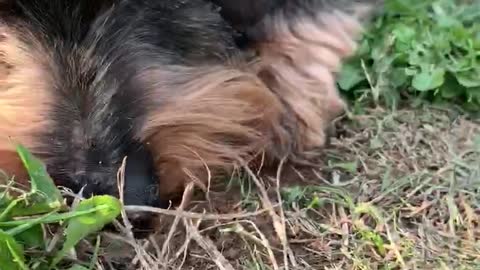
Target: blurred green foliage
x,y
418,51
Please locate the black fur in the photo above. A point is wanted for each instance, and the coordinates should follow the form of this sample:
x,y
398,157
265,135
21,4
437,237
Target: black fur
x,y
246,13
246,16
97,49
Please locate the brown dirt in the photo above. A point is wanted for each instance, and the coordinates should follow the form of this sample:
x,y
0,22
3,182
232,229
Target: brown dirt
x,y
382,197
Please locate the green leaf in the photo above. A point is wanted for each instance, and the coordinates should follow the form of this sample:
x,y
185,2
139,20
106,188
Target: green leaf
x,y
40,179
32,237
80,227
404,33
447,21
364,47
451,89
315,202
293,194
30,204
471,14
351,167
350,76
405,6
429,80
11,253
376,239
399,77
5,199
469,79
443,17
6,210
31,207
27,225
427,40
51,217
44,196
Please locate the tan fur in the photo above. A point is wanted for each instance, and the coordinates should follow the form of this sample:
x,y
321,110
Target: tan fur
x,y
23,96
11,164
299,61
206,119
220,117
281,106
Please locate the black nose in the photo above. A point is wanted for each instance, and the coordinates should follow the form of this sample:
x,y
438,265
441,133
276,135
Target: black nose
x,y
141,185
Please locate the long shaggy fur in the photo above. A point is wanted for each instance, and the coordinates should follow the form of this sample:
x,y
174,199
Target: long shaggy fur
x,y
217,116
281,104
84,82
24,98
301,49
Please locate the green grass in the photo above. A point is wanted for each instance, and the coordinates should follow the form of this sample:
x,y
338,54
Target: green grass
x,y
25,216
418,51
411,202
398,190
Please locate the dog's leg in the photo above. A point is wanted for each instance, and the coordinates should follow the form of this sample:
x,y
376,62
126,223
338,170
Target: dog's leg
x,y
301,47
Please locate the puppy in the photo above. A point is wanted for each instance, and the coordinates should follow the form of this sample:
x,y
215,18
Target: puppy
x,y
86,83
299,47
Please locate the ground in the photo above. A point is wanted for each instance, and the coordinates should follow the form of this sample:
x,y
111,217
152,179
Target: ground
x,y
393,191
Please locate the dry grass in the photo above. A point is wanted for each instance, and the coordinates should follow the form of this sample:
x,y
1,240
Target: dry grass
x,y
396,191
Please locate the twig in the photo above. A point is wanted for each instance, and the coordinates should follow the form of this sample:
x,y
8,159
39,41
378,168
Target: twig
x,y
128,226
185,214
186,197
207,244
343,221
287,252
262,240
267,204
